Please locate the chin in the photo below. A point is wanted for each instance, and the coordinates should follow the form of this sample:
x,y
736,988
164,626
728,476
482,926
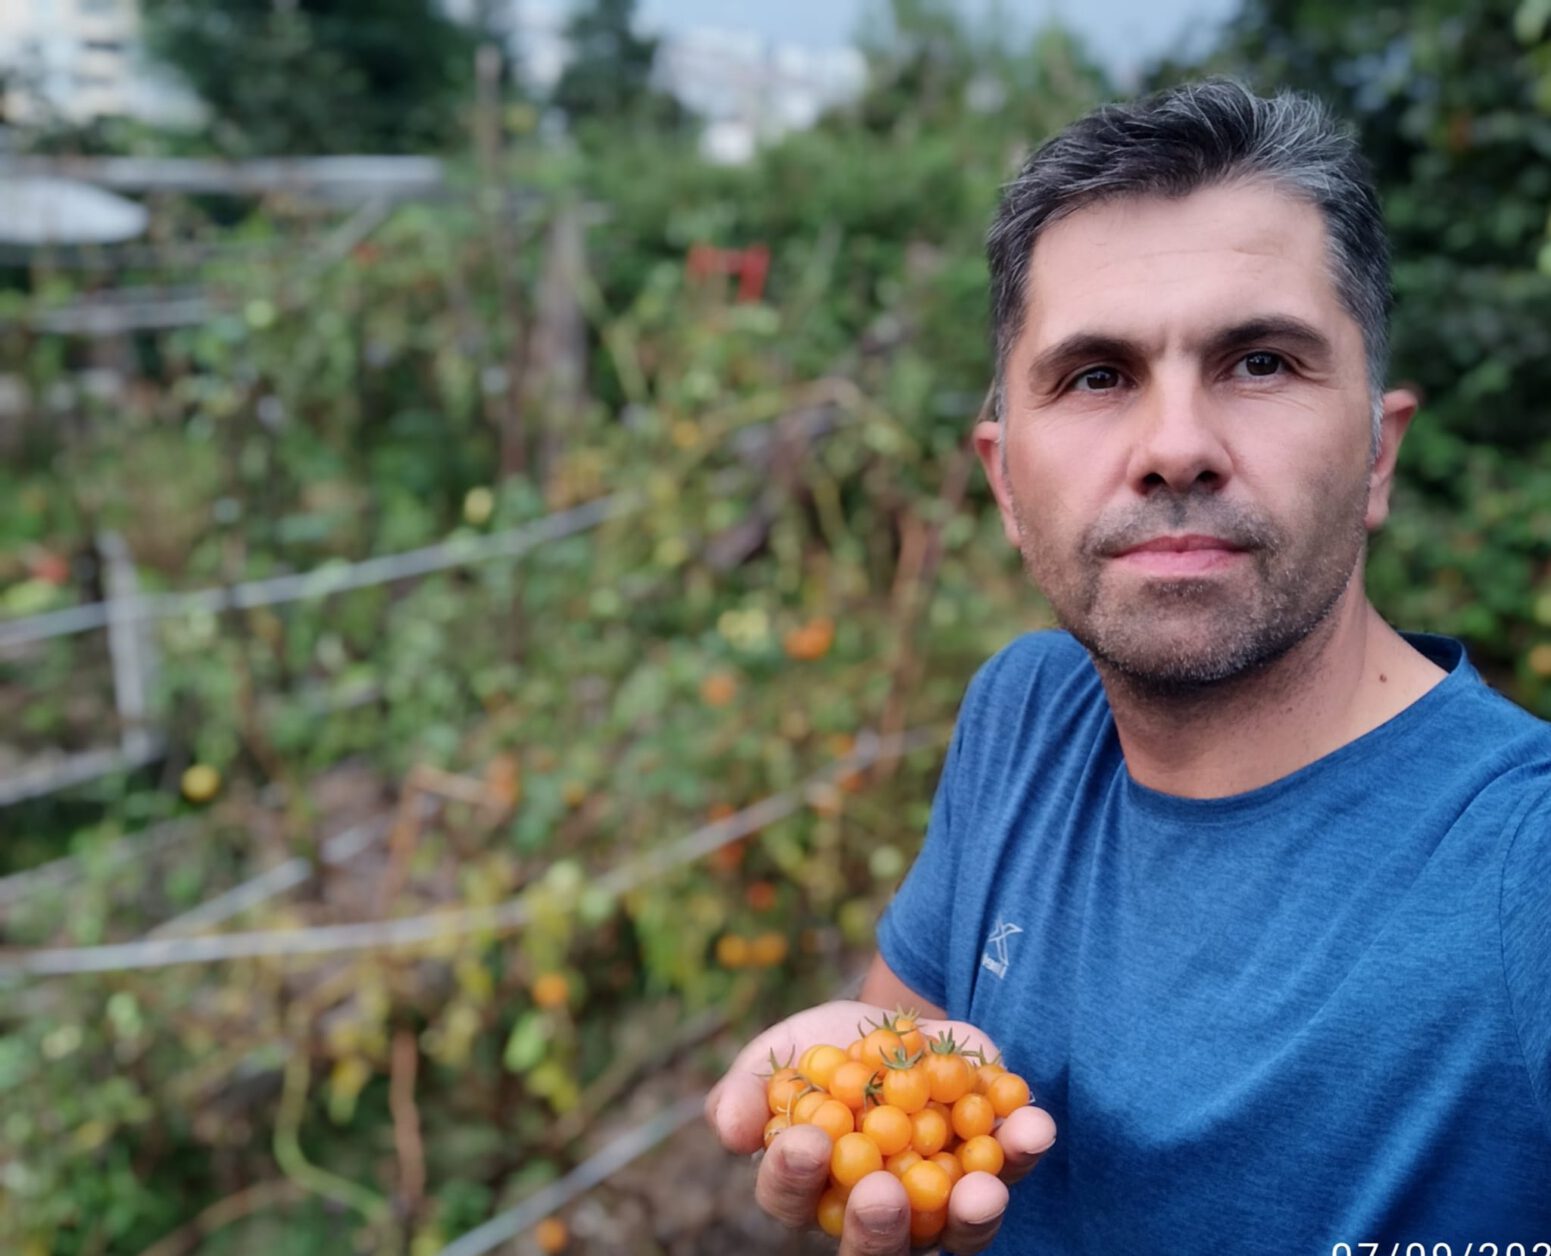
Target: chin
x,y
1163,653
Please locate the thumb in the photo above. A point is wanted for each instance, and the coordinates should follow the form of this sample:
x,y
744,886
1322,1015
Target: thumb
x,y
737,1111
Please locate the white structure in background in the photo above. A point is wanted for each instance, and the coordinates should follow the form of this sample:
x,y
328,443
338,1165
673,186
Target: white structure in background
x,y
83,59
747,88
750,90
38,210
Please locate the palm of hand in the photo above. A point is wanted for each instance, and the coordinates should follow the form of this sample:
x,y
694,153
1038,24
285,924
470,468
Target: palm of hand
x,y
795,1172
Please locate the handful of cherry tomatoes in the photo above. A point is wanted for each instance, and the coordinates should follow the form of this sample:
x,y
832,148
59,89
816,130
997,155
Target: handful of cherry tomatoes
x,y
922,1108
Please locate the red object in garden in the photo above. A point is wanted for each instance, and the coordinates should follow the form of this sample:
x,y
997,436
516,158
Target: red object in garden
x,y
750,265
49,567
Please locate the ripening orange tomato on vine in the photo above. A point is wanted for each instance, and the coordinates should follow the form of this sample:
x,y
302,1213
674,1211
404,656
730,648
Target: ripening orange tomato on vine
x,y
552,1236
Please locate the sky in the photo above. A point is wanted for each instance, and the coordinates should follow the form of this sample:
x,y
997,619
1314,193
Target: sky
x,y
1121,34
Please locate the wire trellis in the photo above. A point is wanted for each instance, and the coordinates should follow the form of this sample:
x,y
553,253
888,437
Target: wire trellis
x,y
450,924
457,551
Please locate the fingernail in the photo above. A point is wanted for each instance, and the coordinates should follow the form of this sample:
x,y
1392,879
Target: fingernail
x,y
802,1161
880,1218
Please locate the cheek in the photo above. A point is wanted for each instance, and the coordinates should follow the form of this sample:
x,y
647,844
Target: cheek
x,y
1058,488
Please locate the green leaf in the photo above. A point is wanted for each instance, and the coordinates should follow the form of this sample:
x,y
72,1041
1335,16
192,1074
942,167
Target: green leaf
x,y
527,1043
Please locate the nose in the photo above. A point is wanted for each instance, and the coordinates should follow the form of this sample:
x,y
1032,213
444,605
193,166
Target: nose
x,y
1177,443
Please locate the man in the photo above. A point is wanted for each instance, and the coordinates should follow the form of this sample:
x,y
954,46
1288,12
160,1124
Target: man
x,y
1253,889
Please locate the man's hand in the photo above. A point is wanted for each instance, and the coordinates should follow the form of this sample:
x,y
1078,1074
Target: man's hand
x,y
795,1171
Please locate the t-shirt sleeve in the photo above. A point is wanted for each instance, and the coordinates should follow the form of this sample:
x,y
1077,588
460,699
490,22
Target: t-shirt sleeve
x,y
1526,941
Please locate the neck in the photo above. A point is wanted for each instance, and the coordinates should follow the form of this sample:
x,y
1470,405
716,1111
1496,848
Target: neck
x,y
1351,674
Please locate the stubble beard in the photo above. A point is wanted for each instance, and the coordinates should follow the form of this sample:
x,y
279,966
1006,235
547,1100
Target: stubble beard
x,y
1178,639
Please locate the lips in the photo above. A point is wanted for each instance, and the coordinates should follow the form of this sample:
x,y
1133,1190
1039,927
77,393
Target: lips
x,y
1190,555
1187,544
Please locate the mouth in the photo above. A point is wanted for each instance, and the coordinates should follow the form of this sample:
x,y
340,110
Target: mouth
x,y
1187,555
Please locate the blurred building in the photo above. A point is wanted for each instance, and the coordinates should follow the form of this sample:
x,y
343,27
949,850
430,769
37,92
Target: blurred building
x,y
750,89
746,87
76,60
82,59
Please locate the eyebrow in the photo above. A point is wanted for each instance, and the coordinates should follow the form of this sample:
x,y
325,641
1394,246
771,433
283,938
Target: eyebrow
x,y
1085,347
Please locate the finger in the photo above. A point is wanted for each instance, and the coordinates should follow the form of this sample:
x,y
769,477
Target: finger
x,y
737,1111
1026,1135
793,1175
877,1218
975,1211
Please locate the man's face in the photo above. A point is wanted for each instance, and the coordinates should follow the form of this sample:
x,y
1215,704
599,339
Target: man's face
x,y
1187,433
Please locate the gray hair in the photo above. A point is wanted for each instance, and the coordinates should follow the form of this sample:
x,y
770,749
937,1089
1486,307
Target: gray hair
x,y
1180,141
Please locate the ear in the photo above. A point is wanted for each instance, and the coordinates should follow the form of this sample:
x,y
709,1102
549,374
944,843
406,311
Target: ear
x,y
1399,409
988,444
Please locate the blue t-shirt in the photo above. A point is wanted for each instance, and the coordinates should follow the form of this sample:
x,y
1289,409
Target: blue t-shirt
x,y
1311,1014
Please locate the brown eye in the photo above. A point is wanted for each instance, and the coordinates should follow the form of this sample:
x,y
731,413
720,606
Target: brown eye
x,y
1262,363
1098,379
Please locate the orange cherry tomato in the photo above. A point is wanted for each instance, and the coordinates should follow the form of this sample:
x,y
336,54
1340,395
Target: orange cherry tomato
x,y
806,1106
926,1186
1007,1093
928,1131
950,1076
850,1082
819,1064
950,1164
902,1161
854,1157
926,1226
986,1074
775,1125
982,1154
834,1118
889,1128
552,1236
910,1036
832,1212
972,1115
906,1088
854,1051
879,1044
783,1088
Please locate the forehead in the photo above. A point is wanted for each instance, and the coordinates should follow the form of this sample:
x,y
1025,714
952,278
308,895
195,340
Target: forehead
x,y
1149,268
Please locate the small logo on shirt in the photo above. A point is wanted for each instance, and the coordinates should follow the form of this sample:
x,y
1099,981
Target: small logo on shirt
x,y
995,955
